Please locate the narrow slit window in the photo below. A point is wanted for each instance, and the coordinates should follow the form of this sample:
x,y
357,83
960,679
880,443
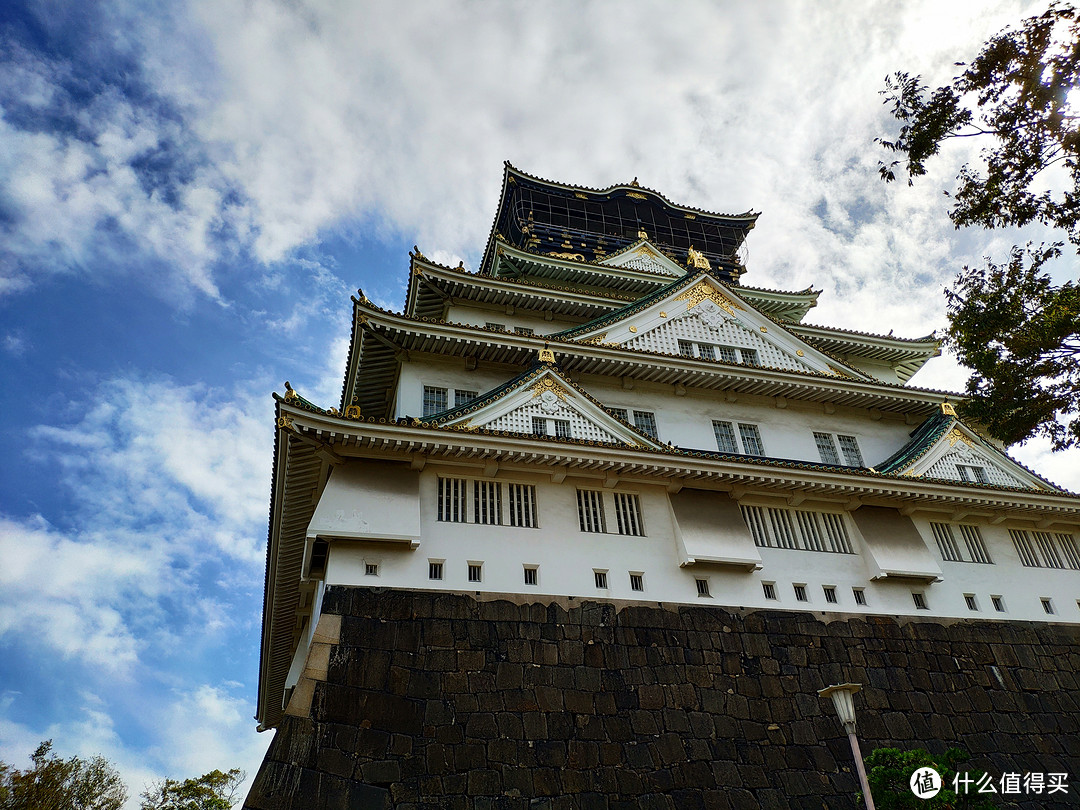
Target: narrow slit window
x,y
800,593
830,594
1048,606
703,587
969,600
860,596
590,511
487,502
920,600
769,588
522,505
998,603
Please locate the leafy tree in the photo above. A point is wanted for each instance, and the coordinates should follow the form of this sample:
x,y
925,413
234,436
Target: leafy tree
x,y
53,783
889,773
211,791
1010,324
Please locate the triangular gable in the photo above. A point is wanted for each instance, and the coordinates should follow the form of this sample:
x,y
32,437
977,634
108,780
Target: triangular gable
x,y
544,394
943,447
644,255
701,311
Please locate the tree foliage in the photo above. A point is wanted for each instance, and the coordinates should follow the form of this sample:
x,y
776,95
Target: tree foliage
x,y
1010,323
889,770
52,783
211,791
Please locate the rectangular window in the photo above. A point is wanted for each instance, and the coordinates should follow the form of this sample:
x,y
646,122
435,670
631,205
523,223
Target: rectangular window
x,y
637,582
969,600
800,593
498,327
1048,606
830,594
974,474
946,543
770,589
487,502
539,426
371,569
600,578
530,575
727,354
618,413
1067,543
860,596
973,542
434,569
751,440
523,330
562,428
725,437
706,352
971,550
702,587
628,514
452,500
826,448
850,448
476,571
920,600
998,603
1022,542
463,397
590,505
749,357
645,421
434,400
686,348
1045,550
775,527
522,505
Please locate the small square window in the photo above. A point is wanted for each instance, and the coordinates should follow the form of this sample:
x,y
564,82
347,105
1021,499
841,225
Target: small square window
x,y
498,327
860,596
435,569
686,348
920,600
706,352
637,582
530,575
371,569
1048,606
600,578
539,425
749,357
998,603
830,594
800,593
703,587
727,354
969,600
562,428
770,589
476,572
523,330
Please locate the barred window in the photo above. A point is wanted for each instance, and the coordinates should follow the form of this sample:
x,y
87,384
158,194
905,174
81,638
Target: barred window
x,y
628,514
1045,550
637,582
686,348
645,421
463,397
1048,605
969,600
826,448
971,473
706,351
487,502
776,527
371,569
860,596
522,505
850,448
530,575
703,587
749,357
999,603
452,500
618,413
769,589
523,330
434,400
590,506
800,593
725,437
600,578
830,594
498,327
751,440
539,426
920,600
476,571
435,569
727,354
562,428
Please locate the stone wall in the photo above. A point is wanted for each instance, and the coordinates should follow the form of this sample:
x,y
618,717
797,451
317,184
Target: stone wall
x,y
417,699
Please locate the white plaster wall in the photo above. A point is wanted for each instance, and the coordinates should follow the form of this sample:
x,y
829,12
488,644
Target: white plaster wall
x,y
474,316
567,558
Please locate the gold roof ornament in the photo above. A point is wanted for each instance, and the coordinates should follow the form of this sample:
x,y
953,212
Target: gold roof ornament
x,y
548,384
641,234
703,291
290,394
697,259
948,409
547,355
418,254
352,412
955,436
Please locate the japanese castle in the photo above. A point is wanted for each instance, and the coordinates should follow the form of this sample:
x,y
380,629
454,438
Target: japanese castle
x,y
604,411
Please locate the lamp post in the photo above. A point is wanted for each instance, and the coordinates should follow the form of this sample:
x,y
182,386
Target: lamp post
x,y
845,707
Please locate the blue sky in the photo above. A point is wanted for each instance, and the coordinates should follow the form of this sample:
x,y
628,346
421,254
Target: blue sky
x,y
189,193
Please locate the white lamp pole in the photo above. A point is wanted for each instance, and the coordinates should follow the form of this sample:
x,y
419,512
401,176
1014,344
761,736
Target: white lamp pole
x,y
845,707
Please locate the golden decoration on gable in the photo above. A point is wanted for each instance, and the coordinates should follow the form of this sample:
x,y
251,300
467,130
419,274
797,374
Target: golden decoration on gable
x,y
633,329
636,195
690,216
703,291
955,436
764,329
352,412
596,339
800,352
647,252
576,257
663,314
547,356
641,234
581,196
697,259
948,409
548,384
285,422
